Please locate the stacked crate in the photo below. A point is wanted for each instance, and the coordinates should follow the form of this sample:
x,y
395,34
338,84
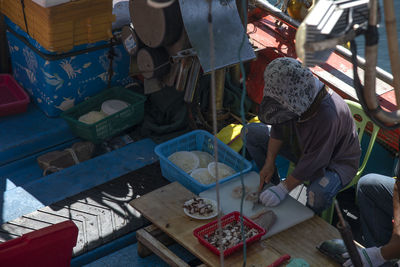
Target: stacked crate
x,y
63,54
60,28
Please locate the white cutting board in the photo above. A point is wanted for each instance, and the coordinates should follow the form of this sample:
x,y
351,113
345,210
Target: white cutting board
x,y
289,212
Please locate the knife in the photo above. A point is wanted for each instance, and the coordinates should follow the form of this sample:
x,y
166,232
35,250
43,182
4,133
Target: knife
x,y
257,202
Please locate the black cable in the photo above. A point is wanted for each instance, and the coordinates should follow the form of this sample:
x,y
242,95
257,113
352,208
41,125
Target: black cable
x,y
360,88
111,55
23,12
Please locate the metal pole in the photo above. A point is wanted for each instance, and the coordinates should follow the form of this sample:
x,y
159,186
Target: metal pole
x,y
235,75
220,87
347,236
235,70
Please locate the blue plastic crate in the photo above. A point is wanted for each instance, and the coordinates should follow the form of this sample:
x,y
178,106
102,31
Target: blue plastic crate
x,y
203,141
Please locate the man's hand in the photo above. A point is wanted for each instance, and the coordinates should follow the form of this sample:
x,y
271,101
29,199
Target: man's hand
x,y
274,145
274,195
370,257
266,174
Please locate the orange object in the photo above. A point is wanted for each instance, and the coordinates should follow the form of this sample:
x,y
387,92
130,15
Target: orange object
x,y
60,28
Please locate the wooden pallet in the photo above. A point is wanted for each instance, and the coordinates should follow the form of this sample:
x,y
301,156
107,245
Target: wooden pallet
x,y
152,240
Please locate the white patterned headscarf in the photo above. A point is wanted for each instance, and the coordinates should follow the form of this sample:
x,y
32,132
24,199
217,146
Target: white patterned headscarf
x,y
289,90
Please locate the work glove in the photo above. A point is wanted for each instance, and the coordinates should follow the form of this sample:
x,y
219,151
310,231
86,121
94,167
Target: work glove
x,y
370,257
273,195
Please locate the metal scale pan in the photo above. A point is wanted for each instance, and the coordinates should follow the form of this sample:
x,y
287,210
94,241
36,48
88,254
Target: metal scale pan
x,y
227,28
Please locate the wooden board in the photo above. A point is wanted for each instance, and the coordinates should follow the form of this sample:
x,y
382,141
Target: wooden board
x,y
163,207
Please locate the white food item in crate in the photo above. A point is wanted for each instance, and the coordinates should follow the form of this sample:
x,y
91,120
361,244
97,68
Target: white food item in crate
x,y
50,3
112,106
92,117
204,157
203,176
223,170
185,160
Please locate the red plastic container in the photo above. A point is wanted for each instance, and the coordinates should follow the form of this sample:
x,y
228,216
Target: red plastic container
x,y
49,246
13,99
212,226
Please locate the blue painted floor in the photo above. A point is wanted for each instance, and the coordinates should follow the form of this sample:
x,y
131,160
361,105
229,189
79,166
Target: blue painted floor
x,y
29,133
128,257
26,136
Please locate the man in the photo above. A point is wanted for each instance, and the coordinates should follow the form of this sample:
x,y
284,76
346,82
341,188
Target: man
x,y
379,202
308,124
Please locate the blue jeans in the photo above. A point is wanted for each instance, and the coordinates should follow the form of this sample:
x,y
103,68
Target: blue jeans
x,y
375,200
320,192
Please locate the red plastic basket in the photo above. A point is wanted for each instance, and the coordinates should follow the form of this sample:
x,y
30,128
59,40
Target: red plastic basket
x,y
13,99
212,226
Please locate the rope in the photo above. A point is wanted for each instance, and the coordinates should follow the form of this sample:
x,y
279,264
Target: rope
x,y
214,118
73,154
51,168
154,69
242,100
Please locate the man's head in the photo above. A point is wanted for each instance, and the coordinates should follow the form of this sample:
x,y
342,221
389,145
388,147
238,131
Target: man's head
x,y
289,91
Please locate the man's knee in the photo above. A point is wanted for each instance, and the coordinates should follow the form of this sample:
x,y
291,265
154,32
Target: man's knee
x,y
318,200
255,132
250,129
367,181
321,193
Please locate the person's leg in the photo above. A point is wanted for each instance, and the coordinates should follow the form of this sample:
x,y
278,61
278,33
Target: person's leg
x,y
375,200
257,137
320,192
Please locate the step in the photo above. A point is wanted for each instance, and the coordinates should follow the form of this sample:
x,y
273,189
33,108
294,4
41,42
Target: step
x,y
26,198
29,133
24,171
